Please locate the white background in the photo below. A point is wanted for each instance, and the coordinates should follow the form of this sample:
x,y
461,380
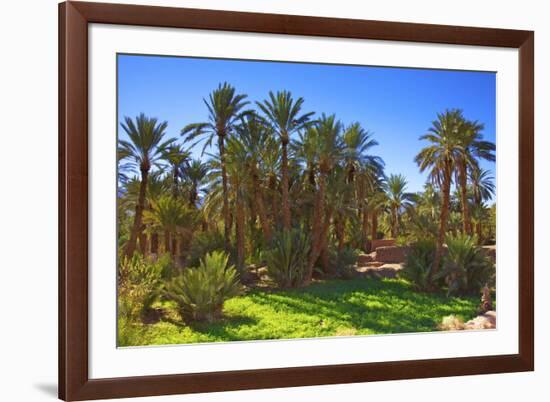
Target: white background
x,y
28,199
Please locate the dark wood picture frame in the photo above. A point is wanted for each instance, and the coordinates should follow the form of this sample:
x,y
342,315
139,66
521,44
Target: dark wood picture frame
x,y
74,382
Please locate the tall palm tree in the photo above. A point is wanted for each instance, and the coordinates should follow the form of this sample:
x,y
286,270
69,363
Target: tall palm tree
x,y
439,158
339,197
483,189
195,173
473,148
357,143
238,177
482,185
398,200
177,159
143,148
271,165
428,201
225,108
253,139
362,169
326,133
376,204
284,114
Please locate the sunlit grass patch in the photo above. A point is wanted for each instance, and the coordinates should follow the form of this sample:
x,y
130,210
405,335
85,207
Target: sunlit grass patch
x,y
329,308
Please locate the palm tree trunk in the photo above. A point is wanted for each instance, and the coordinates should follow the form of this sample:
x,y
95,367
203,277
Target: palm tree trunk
x,y
365,228
174,245
193,196
317,229
325,262
466,220
226,213
340,227
259,198
142,241
239,226
175,183
374,227
274,205
446,189
284,174
479,233
167,247
395,223
136,227
154,243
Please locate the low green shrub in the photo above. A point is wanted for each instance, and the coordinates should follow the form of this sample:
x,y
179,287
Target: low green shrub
x,y
165,264
466,267
200,292
287,258
344,262
139,283
129,332
204,243
419,264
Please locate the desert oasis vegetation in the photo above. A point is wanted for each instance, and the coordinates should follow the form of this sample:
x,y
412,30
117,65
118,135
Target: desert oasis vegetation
x,y
265,200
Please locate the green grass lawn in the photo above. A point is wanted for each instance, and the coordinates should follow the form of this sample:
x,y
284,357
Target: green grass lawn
x,y
329,308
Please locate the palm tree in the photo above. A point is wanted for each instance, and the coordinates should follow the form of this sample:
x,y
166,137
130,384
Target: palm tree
x,y
340,199
326,133
357,143
271,165
238,177
362,169
253,139
473,148
482,185
439,158
428,201
376,203
177,158
143,148
483,189
195,173
170,217
283,113
225,109
398,199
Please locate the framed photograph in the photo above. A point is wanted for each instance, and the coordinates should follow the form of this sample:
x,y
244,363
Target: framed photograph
x,y
261,200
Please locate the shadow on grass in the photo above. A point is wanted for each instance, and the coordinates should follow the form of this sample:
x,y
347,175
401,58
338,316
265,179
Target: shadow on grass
x,y
223,328
359,306
388,306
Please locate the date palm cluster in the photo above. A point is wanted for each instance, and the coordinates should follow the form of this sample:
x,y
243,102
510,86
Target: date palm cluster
x,y
271,166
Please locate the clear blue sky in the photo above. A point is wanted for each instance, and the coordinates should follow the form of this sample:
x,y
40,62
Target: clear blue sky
x,y
396,104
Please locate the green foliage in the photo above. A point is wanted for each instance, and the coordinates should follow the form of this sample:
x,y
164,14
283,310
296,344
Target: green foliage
x,y
200,292
204,243
165,264
140,281
344,262
327,308
402,240
466,267
287,258
421,225
128,331
418,266
170,214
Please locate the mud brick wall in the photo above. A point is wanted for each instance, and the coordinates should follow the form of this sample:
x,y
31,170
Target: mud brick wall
x,y
391,254
382,243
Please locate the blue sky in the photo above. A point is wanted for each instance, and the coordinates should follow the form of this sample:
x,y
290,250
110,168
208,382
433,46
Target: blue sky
x,y
396,104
